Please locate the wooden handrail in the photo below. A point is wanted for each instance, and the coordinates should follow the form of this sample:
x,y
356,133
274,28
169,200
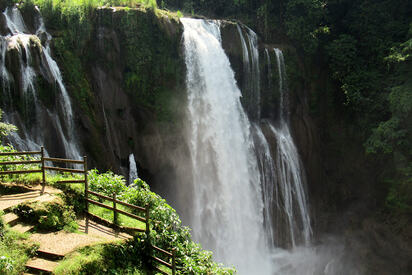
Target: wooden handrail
x,y
100,195
162,262
20,172
131,215
163,251
100,204
131,205
70,181
161,271
64,169
117,201
64,160
20,153
20,162
87,200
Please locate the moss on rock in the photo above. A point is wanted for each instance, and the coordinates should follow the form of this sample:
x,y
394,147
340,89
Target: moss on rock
x,y
49,213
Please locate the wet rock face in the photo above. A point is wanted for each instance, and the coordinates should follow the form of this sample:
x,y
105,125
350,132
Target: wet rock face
x,y
136,74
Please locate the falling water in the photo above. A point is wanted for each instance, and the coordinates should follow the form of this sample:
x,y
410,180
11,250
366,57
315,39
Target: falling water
x,y
71,146
251,72
268,181
4,74
132,169
290,175
227,214
32,138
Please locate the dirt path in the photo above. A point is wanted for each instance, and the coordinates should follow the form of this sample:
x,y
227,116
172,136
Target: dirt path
x,y
56,244
63,242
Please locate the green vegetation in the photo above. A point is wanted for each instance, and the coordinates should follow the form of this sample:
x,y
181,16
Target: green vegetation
x,y
15,250
5,128
53,214
60,212
115,258
166,228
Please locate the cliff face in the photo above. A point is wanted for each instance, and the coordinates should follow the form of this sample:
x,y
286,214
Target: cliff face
x,y
136,75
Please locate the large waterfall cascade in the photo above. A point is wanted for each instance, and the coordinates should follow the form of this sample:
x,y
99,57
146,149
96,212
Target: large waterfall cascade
x,y
30,135
249,195
227,213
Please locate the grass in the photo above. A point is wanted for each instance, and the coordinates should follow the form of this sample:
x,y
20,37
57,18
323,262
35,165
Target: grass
x,y
122,219
98,259
15,250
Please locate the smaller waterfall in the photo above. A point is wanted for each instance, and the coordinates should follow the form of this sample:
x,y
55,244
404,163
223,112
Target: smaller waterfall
x,y
268,181
290,175
4,74
132,169
31,137
71,146
251,72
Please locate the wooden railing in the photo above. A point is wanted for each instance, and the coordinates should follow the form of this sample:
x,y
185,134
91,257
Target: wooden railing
x,y
42,169
114,223
169,255
117,211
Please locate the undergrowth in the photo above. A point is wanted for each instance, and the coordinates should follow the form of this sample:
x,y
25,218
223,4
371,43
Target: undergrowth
x,y
15,250
131,257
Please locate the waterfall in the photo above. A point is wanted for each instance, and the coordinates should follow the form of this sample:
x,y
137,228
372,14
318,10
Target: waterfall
x,y
287,221
227,215
291,178
268,179
251,71
248,184
132,169
31,138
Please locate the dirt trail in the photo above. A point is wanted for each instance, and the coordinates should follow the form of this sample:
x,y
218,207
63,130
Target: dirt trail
x,y
56,244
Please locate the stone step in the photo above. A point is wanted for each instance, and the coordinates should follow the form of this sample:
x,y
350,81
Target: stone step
x,y
40,266
48,255
22,228
8,201
10,219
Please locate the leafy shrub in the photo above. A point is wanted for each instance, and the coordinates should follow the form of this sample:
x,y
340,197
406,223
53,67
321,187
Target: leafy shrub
x,y
106,183
51,215
15,250
167,230
113,258
73,194
6,265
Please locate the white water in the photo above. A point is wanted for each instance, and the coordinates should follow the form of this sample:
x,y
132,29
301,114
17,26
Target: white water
x,y
249,194
32,139
268,181
227,214
4,74
251,71
132,169
290,175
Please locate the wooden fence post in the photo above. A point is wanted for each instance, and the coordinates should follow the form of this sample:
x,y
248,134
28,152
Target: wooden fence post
x,y
114,210
147,220
86,194
43,172
173,261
